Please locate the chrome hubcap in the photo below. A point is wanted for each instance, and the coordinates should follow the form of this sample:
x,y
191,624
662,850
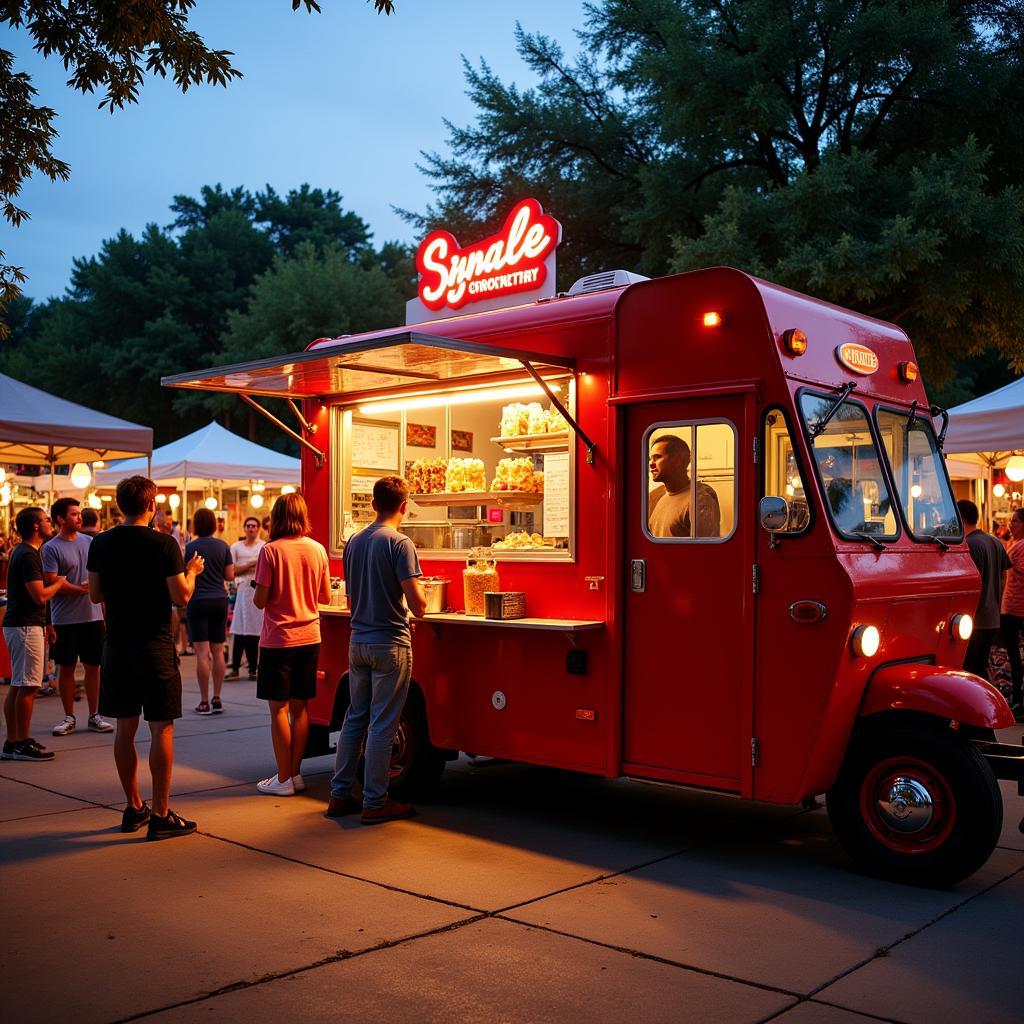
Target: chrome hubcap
x,y
907,807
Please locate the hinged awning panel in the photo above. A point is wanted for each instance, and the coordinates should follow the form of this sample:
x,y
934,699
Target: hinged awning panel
x,y
402,359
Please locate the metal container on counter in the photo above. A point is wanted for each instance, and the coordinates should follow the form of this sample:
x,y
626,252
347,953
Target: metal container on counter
x,y
436,589
505,604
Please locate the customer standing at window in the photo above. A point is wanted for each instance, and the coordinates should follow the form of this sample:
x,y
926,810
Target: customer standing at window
x,y
208,609
291,580
382,574
247,621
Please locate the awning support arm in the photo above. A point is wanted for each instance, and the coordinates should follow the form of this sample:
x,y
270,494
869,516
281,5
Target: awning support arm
x,y
590,446
309,428
317,454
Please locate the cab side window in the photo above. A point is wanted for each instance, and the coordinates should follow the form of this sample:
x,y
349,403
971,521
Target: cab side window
x,y
691,484
782,476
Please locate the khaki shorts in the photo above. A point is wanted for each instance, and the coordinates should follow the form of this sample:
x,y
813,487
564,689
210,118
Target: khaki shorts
x,y
27,648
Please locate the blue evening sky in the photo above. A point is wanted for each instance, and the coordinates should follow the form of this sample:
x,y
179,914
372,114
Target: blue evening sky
x,y
345,99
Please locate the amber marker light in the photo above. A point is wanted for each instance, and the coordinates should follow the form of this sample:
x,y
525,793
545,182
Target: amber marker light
x,y
909,372
794,341
713,318
865,641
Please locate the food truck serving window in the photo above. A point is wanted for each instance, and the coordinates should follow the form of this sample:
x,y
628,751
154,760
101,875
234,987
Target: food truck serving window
x,y
929,508
849,467
690,491
494,472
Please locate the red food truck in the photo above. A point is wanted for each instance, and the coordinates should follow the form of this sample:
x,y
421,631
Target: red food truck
x,y
726,510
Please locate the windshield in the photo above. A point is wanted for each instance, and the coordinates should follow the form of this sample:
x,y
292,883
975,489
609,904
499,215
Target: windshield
x,y
921,483
849,468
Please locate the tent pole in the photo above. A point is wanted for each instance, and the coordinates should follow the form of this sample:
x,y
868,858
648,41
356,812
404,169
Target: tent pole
x,y
149,466
989,510
184,504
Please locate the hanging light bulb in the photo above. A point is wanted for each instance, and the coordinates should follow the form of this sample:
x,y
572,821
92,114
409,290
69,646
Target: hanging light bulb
x,y
915,491
5,494
3,474
161,498
210,503
98,464
287,489
81,475
259,486
256,500
998,491
94,501
1015,468
174,500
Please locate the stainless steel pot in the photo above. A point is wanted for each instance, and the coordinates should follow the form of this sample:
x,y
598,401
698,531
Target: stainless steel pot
x,y
436,589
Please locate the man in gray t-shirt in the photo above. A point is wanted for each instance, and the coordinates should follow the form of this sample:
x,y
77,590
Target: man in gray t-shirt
x,y
990,557
76,633
382,574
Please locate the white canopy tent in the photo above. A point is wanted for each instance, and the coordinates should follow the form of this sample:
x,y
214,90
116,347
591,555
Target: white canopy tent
x,y
984,434
210,453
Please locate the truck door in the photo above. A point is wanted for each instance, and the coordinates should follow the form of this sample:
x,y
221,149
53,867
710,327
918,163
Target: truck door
x,y
688,609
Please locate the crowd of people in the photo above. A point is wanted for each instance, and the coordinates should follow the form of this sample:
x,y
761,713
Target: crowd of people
x,y
113,601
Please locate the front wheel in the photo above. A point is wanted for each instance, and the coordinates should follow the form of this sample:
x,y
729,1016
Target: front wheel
x,y
916,805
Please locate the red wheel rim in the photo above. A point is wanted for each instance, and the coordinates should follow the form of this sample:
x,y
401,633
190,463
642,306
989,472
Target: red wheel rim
x,y
401,750
881,813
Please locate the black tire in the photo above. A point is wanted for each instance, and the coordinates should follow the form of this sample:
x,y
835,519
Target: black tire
x,y
416,765
920,846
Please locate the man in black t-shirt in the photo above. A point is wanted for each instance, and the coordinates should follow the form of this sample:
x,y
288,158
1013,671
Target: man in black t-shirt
x,y
138,573
24,633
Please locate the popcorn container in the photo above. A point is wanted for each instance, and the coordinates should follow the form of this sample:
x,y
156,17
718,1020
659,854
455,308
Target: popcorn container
x,y
479,576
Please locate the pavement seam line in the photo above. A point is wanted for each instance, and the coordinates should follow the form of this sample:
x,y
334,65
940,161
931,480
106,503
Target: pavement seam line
x,y
239,986
345,874
54,792
641,955
883,951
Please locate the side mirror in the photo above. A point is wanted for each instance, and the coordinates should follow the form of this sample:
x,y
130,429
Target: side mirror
x,y
774,513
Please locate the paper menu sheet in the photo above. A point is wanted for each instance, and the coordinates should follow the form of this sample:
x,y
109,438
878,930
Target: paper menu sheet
x,y
375,446
556,495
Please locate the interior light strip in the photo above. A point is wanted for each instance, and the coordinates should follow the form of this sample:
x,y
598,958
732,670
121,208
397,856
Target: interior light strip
x,y
457,398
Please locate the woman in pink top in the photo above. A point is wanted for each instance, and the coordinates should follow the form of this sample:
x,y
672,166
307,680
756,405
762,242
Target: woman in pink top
x,y
1012,618
291,579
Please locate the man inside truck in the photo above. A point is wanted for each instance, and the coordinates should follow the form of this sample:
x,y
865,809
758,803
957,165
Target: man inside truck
x,y
670,503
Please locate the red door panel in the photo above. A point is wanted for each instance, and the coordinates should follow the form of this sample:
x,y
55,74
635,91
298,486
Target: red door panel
x,y
688,634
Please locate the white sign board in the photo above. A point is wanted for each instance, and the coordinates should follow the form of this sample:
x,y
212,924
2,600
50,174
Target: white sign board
x,y
556,495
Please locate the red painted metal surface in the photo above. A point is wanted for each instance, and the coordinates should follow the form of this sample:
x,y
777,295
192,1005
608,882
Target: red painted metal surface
x,y
683,682
959,696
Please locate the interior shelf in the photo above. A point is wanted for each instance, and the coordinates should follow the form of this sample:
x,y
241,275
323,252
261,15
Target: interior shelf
x,y
539,443
505,499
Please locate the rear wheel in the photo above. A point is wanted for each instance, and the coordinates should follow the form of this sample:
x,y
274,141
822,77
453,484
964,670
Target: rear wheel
x,y
916,805
416,765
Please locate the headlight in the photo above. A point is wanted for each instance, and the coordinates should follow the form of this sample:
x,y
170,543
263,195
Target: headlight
x,y
865,641
961,627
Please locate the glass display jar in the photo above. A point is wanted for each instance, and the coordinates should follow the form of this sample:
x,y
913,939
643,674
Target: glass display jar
x,y
479,576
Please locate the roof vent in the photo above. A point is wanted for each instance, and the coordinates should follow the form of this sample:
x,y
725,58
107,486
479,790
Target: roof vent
x,y
606,279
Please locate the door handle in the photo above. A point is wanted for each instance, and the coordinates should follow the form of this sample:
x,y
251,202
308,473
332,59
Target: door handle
x,y
638,575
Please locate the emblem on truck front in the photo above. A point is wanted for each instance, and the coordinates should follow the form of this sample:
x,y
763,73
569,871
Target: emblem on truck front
x,y
857,358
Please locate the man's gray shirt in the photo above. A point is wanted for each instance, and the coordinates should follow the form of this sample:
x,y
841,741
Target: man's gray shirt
x,y
376,560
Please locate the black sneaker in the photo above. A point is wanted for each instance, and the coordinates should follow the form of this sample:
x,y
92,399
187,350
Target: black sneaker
x,y
7,754
30,750
132,820
170,827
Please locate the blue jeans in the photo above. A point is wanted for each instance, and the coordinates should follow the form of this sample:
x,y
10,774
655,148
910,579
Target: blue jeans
x,y
378,680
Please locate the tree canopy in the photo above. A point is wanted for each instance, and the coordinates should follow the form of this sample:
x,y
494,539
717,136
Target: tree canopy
x,y
866,152
235,276
106,47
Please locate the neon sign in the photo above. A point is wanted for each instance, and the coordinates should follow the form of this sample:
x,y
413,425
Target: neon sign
x,y
510,261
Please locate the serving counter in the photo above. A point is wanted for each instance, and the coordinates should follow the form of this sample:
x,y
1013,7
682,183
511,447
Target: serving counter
x,y
461,619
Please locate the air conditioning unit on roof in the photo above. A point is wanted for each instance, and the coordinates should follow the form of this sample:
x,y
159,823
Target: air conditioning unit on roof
x,y
606,279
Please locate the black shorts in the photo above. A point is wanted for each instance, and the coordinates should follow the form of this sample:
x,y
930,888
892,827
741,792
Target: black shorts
x,y
208,620
79,641
287,673
144,680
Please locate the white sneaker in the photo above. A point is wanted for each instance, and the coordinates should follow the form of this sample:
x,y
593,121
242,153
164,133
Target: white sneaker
x,y
66,728
97,724
275,787
299,783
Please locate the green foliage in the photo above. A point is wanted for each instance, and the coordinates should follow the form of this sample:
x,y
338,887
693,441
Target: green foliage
x,y
106,47
235,276
866,152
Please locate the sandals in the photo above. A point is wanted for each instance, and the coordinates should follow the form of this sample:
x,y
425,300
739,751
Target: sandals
x,y
203,708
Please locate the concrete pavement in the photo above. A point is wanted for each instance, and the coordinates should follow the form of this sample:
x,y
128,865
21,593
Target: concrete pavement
x,y
518,894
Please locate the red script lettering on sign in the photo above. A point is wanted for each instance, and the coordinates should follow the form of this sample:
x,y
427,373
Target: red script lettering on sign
x,y
510,261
